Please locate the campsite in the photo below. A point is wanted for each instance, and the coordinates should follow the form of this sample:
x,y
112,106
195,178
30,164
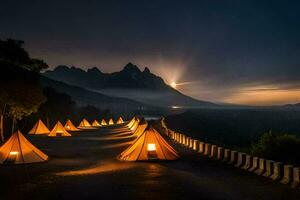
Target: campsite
x,y
149,100
86,166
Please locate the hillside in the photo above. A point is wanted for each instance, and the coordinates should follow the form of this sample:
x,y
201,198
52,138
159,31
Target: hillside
x,y
86,97
235,127
130,82
10,72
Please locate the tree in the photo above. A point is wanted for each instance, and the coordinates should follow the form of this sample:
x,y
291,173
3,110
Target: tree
x,y
20,93
281,147
12,51
37,65
25,99
4,97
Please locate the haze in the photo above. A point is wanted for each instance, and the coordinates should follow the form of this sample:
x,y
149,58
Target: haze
x,y
242,52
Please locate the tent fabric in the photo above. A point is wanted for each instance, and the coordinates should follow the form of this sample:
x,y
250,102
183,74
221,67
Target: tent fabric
x,y
39,128
130,123
69,126
59,130
103,122
18,150
135,125
140,149
96,123
84,124
141,128
120,121
111,121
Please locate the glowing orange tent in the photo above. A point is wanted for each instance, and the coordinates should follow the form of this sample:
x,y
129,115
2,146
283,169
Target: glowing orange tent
x,y
69,126
141,128
18,150
84,124
59,131
111,121
96,123
135,125
120,121
130,123
103,122
149,146
39,128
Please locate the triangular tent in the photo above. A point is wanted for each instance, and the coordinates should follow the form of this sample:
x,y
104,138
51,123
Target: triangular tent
x,y
120,121
39,128
84,124
141,128
111,121
96,123
149,146
103,122
18,150
59,130
135,125
130,123
69,126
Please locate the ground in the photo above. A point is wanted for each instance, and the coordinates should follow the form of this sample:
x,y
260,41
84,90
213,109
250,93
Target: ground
x,y
85,166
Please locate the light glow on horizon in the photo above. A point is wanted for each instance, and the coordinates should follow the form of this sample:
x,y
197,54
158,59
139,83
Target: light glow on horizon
x,y
264,96
173,85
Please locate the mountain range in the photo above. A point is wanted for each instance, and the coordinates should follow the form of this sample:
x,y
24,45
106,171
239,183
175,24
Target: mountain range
x,y
83,97
130,83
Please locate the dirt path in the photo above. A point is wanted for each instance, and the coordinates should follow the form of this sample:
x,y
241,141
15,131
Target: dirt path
x,y
85,167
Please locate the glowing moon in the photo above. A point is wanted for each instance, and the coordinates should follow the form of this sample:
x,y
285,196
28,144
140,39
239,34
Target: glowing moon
x,y
173,85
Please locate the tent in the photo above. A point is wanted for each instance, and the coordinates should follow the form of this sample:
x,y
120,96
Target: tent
x,y
59,130
135,125
120,121
149,146
141,128
39,128
111,121
103,122
18,150
130,123
69,126
96,123
84,124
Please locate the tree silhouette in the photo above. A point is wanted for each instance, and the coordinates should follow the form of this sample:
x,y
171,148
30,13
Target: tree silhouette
x,y
12,51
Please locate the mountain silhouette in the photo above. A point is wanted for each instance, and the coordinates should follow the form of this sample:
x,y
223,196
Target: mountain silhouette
x,y
83,97
130,82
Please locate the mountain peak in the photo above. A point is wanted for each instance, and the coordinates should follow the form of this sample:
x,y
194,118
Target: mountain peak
x,y
131,68
94,70
62,67
130,83
146,70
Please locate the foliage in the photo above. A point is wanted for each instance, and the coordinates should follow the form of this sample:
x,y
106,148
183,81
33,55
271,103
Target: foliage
x,y
24,100
283,147
12,51
37,65
58,106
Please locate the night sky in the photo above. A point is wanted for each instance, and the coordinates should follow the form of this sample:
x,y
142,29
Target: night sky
x,y
245,52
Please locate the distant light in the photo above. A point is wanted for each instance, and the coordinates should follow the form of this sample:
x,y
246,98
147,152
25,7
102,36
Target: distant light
x,y
68,127
13,153
151,147
176,107
173,85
